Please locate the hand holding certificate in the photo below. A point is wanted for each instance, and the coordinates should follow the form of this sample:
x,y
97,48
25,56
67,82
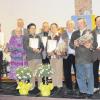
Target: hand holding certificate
x,y
51,45
44,40
34,43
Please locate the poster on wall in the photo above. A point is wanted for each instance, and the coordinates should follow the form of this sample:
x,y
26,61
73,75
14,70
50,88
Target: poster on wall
x,y
90,20
83,7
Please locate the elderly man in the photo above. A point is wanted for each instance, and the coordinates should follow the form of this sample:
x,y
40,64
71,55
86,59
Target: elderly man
x,y
44,36
20,24
83,59
69,61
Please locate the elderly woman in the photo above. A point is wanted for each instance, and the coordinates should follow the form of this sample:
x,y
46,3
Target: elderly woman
x,y
17,53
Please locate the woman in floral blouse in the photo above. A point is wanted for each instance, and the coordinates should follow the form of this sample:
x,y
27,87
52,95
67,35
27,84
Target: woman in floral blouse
x,y
17,53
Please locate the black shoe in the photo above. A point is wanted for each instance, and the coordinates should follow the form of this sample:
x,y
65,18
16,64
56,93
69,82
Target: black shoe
x,y
89,96
35,91
54,91
82,95
0,87
69,91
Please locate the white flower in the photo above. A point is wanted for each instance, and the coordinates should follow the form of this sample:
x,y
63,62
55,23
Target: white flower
x,y
30,76
28,73
19,77
22,71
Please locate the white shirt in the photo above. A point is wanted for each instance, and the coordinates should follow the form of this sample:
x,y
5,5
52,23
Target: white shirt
x,y
1,39
98,40
70,51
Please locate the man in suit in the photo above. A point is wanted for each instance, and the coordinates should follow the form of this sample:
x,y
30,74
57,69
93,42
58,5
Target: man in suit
x,y
96,31
69,61
20,24
83,59
44,33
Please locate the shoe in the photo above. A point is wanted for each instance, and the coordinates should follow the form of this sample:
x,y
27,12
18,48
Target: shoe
x,y
54,91
34,91
89,96
69,91
96,89
82,95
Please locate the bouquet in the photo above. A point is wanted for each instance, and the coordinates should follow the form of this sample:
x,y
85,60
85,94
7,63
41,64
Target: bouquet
x,y
24,73
61,48
44,70
85,38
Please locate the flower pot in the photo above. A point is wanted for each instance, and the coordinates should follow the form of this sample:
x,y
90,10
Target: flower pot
x,y
24,88
45,87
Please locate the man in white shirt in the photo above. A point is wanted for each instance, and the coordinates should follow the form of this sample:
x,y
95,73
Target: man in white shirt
x,y
69,62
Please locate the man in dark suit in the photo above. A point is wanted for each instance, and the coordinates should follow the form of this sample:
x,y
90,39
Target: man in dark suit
x,y
96,31
44,33
69,61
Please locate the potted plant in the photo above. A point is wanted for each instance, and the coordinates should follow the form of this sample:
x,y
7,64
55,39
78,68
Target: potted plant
x,y
24,75
45,71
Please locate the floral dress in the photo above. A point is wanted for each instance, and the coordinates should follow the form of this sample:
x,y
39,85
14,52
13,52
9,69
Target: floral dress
x,y
17,54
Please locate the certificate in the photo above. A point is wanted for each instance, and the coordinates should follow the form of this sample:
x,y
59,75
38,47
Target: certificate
x,y
51,45
34,43
1,38
98,39
44,41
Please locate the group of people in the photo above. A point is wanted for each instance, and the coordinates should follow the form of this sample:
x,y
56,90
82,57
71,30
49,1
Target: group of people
x,y
82,56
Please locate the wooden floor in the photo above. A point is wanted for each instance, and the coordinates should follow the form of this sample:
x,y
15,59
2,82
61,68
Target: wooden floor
x,y
10,97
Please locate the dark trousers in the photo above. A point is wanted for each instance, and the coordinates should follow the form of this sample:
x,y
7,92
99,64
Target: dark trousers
x,y
1,60
46,61
96,74
67,64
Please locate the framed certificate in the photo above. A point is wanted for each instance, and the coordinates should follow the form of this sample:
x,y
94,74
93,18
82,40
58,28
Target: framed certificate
x,y
51,45
34,43
44,41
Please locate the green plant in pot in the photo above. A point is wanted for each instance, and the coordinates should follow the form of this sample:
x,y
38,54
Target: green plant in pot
x,y
45,71
24,75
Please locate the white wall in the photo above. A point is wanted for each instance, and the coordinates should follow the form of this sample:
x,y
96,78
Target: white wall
x,y
35,11
96,7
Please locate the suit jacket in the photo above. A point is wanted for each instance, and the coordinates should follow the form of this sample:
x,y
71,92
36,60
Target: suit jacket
x,y
29,51
96,54
44,51
83,55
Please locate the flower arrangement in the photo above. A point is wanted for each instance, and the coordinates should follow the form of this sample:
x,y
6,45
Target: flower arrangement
x,y
86,37
61,47
24,73
43,70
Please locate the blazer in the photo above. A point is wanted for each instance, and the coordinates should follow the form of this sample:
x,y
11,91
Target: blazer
x,y
29,51
96,54
83,55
